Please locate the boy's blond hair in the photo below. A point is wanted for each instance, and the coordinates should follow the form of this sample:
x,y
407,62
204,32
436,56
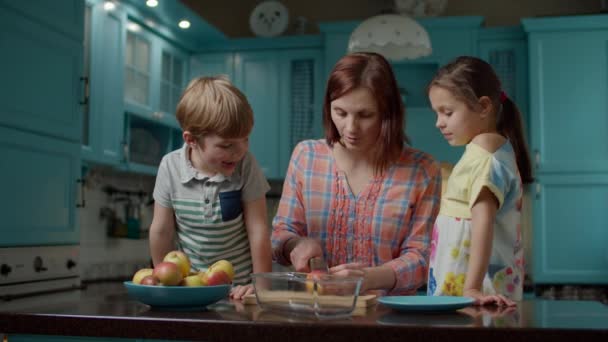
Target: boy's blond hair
x,y
212,105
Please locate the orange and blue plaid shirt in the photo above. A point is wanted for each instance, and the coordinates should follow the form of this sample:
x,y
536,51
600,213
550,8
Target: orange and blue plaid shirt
x,y
388,223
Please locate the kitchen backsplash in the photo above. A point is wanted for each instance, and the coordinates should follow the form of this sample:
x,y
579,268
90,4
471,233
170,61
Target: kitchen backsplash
x,y
103,255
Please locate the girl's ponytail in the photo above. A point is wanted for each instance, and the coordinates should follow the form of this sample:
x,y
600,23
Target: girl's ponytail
x,y
510,124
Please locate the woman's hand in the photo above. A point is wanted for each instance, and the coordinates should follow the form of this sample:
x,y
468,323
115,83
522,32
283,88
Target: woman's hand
x,y
481,299
354,269
303,251
240,291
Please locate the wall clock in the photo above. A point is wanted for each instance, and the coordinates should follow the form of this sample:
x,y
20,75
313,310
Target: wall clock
x,y
269,19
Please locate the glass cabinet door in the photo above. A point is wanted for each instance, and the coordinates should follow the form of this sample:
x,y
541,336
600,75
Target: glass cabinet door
x,y
172,71
137,66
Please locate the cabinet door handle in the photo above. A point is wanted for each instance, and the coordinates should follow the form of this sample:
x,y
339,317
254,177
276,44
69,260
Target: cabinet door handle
x,y
536,159
81,181
537,191
85,100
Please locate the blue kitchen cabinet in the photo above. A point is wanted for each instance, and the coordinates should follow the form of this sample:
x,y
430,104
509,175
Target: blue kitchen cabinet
x,y
155,76
256,75
569,142
39,183
103,117
212,64
40,116
506,49
41,75
64,16
301,91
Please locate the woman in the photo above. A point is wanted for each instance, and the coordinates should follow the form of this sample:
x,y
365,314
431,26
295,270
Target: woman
x,y
361,198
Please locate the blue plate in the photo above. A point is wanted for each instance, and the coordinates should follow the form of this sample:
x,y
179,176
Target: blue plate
x,y
177,297
426,303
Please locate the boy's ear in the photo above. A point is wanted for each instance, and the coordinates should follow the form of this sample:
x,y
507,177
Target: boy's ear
x,y
486,106
188,137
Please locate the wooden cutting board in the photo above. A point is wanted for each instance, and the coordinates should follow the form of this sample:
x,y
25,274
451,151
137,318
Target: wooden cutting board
x,y
363,301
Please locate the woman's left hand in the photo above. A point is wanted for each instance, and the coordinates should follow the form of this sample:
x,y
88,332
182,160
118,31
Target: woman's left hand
x,y
240,291
354,269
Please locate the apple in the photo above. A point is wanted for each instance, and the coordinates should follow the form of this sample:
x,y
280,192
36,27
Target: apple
x,y
313,278
141,274
192,280
181,260
221,272
150,280
168,273
204,279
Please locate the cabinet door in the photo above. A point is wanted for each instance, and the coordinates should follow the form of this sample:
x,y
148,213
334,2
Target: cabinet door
x,y
103,129
212,64
64,16
569,111
172,77
38,181
257,76
508,57
138,65
41,72
301,100
570,236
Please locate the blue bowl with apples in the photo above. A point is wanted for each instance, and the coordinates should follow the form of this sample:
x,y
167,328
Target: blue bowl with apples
x,y
177,297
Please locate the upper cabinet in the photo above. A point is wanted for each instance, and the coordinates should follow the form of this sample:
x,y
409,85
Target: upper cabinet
x,y
103,117
568,63
42,95
42,73
506,49
63,16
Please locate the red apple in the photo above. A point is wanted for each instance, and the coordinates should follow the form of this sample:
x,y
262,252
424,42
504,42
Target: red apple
x,y
224,266
150,280
181,260
141,274
218,277
168,273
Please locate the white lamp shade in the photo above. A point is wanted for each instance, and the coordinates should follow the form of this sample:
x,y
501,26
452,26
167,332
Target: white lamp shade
x,y
394,36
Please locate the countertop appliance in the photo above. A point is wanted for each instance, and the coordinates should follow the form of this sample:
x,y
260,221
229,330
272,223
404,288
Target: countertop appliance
x,y
38,269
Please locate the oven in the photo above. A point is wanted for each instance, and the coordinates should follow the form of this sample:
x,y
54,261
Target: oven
x,y
38,269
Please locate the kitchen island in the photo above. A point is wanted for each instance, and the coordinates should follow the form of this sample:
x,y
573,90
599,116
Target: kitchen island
x,y
104,311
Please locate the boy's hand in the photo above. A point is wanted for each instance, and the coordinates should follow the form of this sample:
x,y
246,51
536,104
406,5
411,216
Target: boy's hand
x,y
240,291
481,299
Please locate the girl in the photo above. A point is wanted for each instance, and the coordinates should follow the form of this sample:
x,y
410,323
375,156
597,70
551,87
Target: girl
x,y
476,248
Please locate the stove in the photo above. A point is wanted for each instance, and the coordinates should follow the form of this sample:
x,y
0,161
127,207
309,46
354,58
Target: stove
x,y
39,269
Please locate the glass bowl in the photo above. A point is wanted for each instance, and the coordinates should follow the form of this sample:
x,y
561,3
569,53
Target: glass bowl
x,y
320,295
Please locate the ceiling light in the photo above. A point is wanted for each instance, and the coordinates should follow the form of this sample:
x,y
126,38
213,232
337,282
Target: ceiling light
x,y
394,36
184,24
151,3
109,6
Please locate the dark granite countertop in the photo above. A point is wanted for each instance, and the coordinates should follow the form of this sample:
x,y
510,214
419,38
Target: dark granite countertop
x,y
105,310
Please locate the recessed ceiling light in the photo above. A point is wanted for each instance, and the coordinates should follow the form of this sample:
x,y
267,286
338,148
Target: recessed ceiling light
x,y
151,3
184,24
109,6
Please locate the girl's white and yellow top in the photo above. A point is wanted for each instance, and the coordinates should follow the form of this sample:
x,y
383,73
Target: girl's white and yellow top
x,y
451,239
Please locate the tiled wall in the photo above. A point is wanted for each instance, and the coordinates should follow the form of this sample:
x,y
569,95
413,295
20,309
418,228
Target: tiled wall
x,y
101,256
105,257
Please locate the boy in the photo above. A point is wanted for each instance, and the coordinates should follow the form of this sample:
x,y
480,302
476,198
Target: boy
x,y
211,192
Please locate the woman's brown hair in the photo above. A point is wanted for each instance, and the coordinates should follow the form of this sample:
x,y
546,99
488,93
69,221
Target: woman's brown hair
x,y
372,72
470,78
